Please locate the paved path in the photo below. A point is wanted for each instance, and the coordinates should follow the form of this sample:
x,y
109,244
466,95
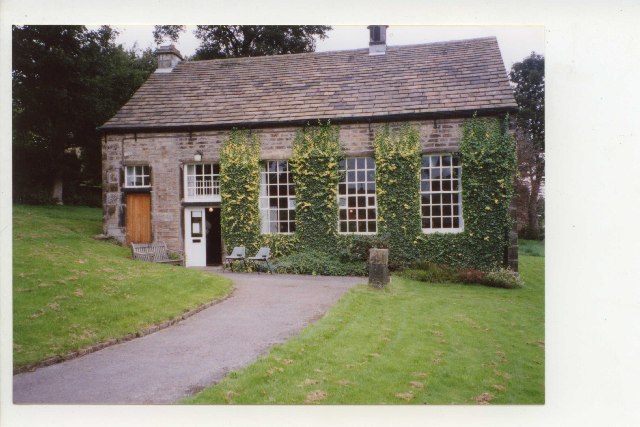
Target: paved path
x,y
178,361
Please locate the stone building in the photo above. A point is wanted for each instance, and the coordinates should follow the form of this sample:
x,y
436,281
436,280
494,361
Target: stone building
x,y
161,150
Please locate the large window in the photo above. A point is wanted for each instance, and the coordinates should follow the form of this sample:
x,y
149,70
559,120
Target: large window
x,y
202,180
137,176
440,191
357,196
277,198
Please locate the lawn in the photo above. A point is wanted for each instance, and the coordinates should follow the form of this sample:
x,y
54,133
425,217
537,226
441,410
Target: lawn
x,y
71,291
411,343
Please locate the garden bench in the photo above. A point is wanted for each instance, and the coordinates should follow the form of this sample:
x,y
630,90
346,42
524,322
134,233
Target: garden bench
x,y
153,252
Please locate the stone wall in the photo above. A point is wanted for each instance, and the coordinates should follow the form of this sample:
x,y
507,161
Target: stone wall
x,y
166,152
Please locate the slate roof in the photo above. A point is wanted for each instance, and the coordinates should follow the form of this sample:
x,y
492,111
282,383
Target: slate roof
x,y
449,77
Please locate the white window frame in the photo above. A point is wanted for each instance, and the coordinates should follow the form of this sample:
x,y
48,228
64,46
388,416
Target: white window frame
x,y
441,192
134,172
268,212
371,200
203,189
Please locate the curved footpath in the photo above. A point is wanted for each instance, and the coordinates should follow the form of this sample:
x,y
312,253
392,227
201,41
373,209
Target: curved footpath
x,y
179,361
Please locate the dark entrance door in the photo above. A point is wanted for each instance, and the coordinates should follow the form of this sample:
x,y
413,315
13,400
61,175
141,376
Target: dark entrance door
x,y
214,237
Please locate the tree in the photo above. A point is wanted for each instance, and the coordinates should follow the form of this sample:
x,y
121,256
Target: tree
x,y
528,77
224,41
67,81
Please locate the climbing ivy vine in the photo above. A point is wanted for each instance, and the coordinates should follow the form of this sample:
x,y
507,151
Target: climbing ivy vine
x,y
397,155
239,190
316,154
488,157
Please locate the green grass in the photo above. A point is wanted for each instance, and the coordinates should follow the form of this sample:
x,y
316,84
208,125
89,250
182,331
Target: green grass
x,y
411,343
531,247
71,291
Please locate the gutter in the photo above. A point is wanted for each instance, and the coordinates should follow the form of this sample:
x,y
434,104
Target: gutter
x,y
305,122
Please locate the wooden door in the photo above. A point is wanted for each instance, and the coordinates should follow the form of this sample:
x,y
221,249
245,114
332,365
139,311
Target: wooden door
x,y
139,218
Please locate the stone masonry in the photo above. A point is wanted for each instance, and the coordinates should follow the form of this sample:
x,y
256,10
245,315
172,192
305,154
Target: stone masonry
x,y
167,152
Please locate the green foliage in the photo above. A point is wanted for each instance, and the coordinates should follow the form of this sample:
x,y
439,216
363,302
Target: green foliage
x,y
319,263
316,154
67,81
280,244
355,247
488,159
528,76
503,278
226,41
239,190
529,80
398,162
426,271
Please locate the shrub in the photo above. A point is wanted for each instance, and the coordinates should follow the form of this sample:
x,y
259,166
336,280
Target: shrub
x,y
503,278
319,263
356,247
426,271
469,275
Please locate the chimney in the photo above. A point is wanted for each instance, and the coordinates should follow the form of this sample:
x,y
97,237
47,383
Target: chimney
x,y
377,39
168,57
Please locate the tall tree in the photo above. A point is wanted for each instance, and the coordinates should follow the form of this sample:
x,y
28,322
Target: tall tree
x,y
528,77
67,80
224,41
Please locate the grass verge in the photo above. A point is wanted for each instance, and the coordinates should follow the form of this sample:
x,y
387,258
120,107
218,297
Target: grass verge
x,y
410,343
71,291
531,247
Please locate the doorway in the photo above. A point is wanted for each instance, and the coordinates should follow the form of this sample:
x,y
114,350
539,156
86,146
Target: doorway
x,y
214,236
202,237
138,217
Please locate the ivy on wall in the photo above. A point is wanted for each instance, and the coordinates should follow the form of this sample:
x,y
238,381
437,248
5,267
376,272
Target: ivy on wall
x,y
239,190
488,159
397,155
316,154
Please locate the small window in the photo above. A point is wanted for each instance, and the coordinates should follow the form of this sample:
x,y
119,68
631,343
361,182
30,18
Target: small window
x,y
277,198
357,196
137,176
441,193
202,180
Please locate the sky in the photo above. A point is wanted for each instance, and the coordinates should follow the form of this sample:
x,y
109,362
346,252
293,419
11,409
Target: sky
x,y
516,41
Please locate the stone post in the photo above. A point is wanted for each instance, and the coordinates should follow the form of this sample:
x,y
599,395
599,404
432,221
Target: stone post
x,y
378,267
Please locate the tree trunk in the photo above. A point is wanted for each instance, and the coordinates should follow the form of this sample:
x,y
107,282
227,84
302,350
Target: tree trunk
x,y
56,189
533,230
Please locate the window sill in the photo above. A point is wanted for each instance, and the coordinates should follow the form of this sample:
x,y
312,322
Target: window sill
x,y
359,233
442,230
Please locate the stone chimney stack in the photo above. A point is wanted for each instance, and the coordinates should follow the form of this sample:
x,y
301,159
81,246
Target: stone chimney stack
x,y
377,39
168,57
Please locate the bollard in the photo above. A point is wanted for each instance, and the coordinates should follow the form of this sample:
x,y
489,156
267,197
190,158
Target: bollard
x,y
378,267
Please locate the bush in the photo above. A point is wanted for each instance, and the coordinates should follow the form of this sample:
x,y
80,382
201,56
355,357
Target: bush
x,y
426,271
356,247
319,263
503,278
469,275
